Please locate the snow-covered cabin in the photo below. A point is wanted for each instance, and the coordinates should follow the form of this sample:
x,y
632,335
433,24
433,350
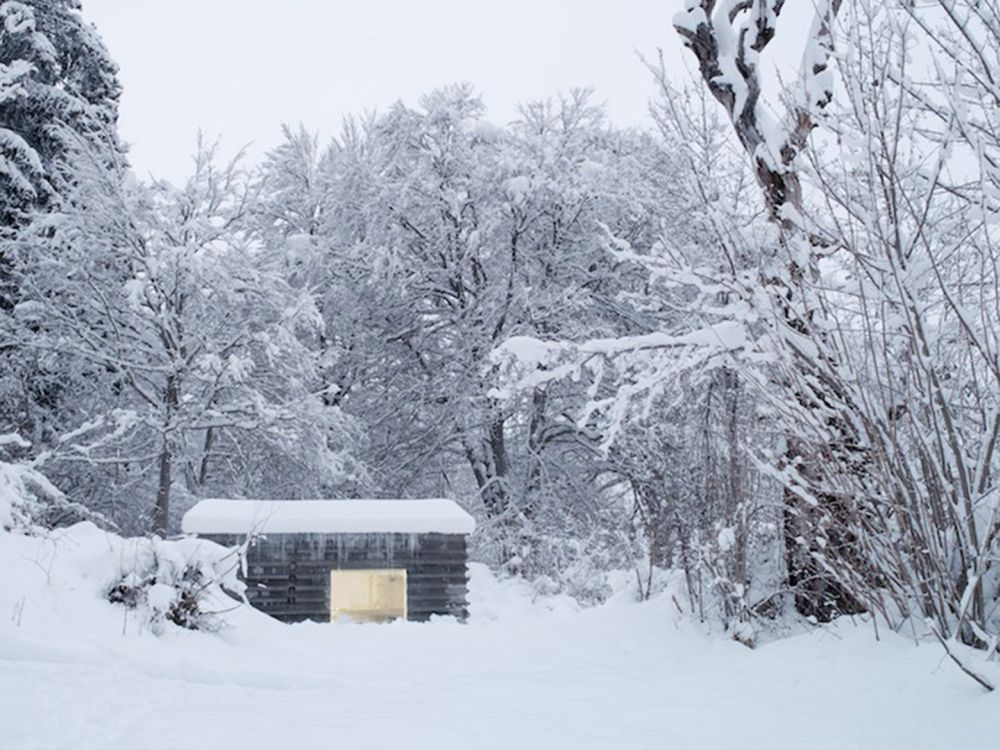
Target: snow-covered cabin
x,y
362,560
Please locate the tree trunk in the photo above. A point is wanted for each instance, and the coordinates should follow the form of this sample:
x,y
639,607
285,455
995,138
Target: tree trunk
x,y
818,593
161,513
491,468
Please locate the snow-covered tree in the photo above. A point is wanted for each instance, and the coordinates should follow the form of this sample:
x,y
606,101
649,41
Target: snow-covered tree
x,y
58,88
429,236
57,83
859,303
192,357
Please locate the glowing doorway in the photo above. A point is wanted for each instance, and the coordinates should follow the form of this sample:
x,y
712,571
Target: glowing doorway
x,y
367,595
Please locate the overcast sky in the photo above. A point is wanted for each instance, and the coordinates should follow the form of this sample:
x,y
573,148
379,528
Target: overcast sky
x,y
241,68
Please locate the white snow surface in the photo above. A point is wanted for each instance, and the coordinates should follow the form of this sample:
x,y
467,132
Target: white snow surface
x,y
77,672
327,517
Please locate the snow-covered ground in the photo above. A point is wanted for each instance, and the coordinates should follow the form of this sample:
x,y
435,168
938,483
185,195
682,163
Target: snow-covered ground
x,y
77,673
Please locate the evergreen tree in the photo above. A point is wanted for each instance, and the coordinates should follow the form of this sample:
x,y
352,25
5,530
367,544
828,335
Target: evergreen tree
x,y
57,82
58,97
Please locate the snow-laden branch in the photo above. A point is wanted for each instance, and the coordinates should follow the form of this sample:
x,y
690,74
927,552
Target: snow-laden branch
x,y
727,38
644,365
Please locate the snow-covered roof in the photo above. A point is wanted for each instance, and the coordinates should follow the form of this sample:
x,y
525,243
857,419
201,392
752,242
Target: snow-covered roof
x,y
327,517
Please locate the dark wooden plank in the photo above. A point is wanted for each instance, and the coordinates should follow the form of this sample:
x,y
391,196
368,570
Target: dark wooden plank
x,y
288,574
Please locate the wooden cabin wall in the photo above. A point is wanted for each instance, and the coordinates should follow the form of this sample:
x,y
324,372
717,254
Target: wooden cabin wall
x,y
288,575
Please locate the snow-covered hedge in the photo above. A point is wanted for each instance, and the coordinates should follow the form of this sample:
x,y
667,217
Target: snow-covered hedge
x,y
177,581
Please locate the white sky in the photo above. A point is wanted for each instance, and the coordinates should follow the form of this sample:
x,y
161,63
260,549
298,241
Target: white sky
x,y
240,68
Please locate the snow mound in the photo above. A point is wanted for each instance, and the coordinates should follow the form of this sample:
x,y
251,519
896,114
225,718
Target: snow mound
x,y
510,599
60,584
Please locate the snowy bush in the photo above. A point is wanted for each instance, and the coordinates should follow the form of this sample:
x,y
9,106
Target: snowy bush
x,y
561,550
732,572
569,565
28,499
178,581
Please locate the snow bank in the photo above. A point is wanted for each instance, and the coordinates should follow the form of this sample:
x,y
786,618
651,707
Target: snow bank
x,y
57,584
327,517
512,599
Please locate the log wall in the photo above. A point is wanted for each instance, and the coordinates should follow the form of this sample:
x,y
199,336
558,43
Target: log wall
x,y
288,575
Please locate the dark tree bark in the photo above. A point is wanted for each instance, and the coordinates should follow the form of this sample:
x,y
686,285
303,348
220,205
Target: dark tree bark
x,y
161,511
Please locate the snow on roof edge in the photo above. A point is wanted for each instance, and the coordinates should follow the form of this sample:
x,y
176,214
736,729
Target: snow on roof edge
x,y
361,516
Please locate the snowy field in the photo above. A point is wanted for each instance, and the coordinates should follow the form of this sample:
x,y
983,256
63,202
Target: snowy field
x,y
77,673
